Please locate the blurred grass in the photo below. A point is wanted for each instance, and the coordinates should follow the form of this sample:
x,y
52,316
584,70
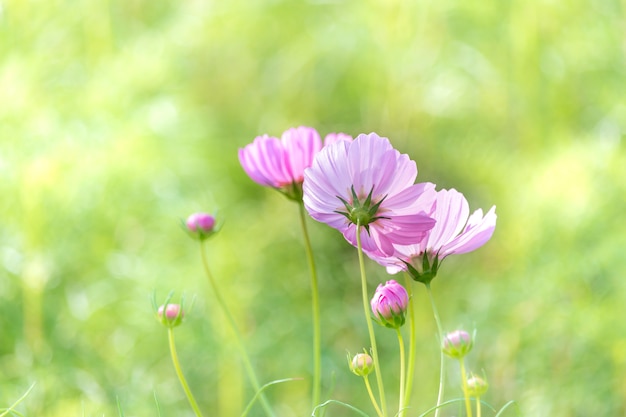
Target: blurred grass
x,y
118,118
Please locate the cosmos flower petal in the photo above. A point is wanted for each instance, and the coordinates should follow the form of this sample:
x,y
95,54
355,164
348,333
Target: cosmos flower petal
x,y
325,180
451,214
477,232
336,137
406,229
374,243
300,144
413,199
263,161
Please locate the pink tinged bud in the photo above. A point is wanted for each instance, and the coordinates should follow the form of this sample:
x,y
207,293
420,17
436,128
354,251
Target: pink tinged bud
x,y
362,364
200,225
389,304
457,344
170,315
476,386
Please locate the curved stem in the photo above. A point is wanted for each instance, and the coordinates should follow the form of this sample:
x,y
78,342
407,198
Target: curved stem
x,y
179,373
372,398
401,403
370,328
315,305
242,351
411,366
441,356
468,405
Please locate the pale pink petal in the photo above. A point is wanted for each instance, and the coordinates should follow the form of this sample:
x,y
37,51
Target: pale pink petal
x,y
451,214
325,180
413,199
373,242
407,229
478,231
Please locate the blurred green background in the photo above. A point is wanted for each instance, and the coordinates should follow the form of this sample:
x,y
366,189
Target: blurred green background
x,y
118,118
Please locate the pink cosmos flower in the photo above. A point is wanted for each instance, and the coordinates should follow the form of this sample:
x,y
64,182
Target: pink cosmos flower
x,y
455,232
368,182
274,162
280,163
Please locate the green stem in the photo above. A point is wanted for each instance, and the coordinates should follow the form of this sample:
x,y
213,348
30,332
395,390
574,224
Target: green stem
x,y
411,367
179,372
441,356
401,403
372,398
468,405
477,406
315,304
370,327
242,351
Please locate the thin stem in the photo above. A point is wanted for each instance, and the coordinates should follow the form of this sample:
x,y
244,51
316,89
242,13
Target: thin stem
x,y
315,305
179,372
468,405
477,406
401,403
19,400
370,327
411,367
441,356
242,350
372,398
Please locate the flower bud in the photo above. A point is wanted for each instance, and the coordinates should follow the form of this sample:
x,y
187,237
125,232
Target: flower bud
x,y
170,315
200,225
389,304
476,386
362,364
457,344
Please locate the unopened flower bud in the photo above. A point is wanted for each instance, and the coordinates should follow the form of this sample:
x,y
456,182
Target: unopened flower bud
x,y
457,344
389,304
170,315
362,364
200,225
476,386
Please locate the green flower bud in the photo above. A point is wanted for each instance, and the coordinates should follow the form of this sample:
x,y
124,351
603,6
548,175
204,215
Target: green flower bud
x,y
362,364
476,386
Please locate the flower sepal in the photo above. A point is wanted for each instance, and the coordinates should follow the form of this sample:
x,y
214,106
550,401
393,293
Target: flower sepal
x,y
394,322
426,272
477,386
170,314
361,213
292,191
